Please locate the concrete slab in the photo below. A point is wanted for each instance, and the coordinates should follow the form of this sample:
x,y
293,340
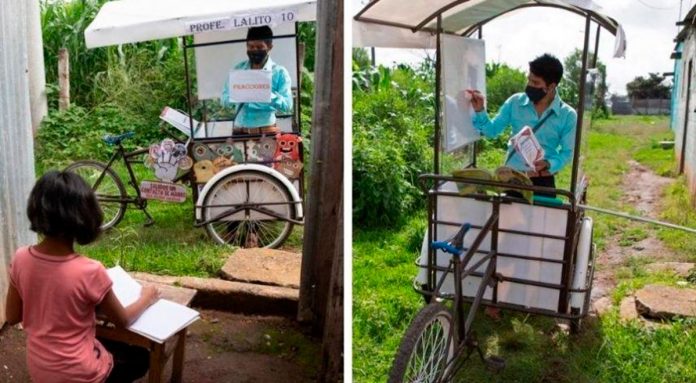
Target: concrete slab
x,y
264,266
231,296
665,302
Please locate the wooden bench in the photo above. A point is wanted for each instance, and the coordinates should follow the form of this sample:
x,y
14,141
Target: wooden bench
x,y
159,352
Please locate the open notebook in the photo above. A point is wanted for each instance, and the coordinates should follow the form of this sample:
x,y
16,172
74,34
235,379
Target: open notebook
x,y
159,321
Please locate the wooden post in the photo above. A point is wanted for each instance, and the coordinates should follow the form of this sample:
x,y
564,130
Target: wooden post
x,y
63,79
332,345
322,235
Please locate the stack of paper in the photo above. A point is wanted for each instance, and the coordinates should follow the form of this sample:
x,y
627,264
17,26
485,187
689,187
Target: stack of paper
x,y
159,321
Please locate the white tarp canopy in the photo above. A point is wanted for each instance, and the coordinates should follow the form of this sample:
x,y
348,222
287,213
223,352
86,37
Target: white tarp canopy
x,y
130,21
393,24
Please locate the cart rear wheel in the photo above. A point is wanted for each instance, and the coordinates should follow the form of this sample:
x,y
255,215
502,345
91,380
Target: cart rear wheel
x,y
426,348
110,191
250,227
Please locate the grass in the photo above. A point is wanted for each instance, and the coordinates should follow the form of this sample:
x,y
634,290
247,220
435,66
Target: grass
x,y
535,351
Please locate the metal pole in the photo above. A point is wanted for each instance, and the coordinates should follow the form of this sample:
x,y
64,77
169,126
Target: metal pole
x,y
189,107
596,47
581,107
473,163
636,218
438,74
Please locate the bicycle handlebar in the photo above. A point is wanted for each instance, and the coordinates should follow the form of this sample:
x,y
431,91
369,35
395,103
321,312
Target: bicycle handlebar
x,y
115,140
454,245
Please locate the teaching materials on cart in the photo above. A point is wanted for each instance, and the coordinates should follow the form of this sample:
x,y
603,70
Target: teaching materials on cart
x,y
159,321
527,146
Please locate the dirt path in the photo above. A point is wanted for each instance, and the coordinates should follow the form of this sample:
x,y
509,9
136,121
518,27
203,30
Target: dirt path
x,y
643,190
222,347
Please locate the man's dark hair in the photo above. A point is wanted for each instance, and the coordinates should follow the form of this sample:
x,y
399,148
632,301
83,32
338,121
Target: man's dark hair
x,y
62,205
264,33
547,67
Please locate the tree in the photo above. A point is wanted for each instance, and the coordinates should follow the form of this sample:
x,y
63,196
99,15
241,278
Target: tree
x,y
502,82
651,87
569,89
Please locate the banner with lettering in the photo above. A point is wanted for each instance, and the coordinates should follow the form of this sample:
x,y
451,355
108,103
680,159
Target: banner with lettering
x,y
241,21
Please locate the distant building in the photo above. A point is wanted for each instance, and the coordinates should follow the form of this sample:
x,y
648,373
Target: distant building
x,y
621,104
683,119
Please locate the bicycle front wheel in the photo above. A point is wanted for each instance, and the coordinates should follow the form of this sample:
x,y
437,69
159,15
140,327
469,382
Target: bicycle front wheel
x,y
426,348
108,188
247,210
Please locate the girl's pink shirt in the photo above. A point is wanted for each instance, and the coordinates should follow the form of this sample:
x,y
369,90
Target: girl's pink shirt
x,y
59,296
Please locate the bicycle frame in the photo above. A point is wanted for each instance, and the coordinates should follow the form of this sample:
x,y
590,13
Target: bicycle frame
x,y
463,265
128,159
459,267
570,238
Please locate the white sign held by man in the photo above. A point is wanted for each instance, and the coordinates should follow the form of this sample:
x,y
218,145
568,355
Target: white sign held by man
x,y
250,86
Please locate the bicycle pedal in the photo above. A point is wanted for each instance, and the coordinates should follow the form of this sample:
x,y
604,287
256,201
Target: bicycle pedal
x,y
495,363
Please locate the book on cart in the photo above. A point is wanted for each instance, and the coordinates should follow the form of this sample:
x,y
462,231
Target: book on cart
x,y
158,322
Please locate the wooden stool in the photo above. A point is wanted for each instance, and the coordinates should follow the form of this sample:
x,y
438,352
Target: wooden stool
x,y
159,352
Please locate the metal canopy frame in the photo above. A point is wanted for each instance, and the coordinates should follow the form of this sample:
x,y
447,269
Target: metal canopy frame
x,y
589,15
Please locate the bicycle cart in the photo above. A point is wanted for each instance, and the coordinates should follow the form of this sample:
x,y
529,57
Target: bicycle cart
x,y
248,189
483,245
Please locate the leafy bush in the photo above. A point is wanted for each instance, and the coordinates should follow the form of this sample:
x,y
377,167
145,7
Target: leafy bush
x,y
392,144
77,133
502,82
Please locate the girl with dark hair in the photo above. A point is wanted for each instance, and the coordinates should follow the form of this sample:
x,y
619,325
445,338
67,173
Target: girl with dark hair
x,y
55,292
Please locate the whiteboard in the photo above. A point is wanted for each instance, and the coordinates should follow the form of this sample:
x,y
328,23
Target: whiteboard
x,y
463,67
214,62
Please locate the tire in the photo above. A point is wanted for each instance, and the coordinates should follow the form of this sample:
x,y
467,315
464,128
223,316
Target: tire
x,y
109,188
431,335
249,228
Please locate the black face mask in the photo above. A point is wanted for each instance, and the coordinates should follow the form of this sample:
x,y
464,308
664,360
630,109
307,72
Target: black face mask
x,y
257,57
534,94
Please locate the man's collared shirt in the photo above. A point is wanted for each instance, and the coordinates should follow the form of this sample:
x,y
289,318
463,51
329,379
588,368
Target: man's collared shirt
x,y
556,135
256,114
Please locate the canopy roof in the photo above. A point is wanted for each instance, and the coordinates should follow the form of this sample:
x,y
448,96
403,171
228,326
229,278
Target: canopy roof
x,y
130,21
396,24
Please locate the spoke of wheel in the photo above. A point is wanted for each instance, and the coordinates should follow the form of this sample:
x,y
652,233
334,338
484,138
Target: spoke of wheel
x,y
428,354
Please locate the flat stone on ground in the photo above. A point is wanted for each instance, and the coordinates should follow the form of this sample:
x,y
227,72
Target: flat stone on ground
x,y
627,309
265,266
680,269
664,302
602,305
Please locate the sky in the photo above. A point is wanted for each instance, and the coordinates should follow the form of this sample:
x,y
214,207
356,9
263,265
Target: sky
x,y
517,38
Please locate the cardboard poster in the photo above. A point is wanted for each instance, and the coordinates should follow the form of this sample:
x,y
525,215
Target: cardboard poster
x,y
163,191
250,86
463,67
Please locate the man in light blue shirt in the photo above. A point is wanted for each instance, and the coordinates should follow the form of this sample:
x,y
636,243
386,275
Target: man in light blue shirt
x,y
539,103
257,117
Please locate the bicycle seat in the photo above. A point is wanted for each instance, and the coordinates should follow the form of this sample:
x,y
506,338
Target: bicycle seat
x,y
115,140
